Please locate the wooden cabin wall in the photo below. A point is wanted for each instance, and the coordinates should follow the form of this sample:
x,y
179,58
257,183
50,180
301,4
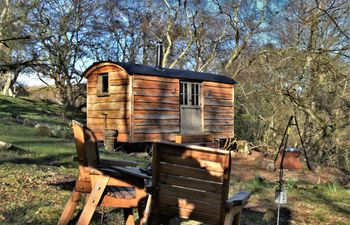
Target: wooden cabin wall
x,y
115,105
218,110
155,109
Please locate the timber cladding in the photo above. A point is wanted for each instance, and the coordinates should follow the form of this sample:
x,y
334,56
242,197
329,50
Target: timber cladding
x,y
112,110
218,109
156,108
144,106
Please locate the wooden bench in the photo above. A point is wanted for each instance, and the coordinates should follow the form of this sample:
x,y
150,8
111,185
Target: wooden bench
x,y
192,182
105,182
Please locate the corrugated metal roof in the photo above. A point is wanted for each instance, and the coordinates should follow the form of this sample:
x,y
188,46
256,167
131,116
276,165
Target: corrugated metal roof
x,y
171,73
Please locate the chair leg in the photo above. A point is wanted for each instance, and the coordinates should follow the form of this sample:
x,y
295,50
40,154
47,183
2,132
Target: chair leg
x,y
145,217
128,216
237,218
233,216
70,207
93,200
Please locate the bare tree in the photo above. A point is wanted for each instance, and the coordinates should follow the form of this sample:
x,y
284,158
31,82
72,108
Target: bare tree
x,y
61,31
13,43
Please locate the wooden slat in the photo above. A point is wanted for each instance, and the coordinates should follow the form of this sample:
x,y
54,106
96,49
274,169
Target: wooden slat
x,y
191,172
154,137
111,114
131,108
120,89
218,90
151,122
218,98
105,69
91,84
156,78
164,115
227,122
91,99
211,102
92,78
190,204
186,214
214,84
120,128
214,187
155,92
226,186
117,82
155,180
155,106
189,194
118,75
157,112
190,162
219,109
216,93
109,122
156,84
155,129
218,115
219,128
222,135
158,99
194,154
194,138
108,106
121,137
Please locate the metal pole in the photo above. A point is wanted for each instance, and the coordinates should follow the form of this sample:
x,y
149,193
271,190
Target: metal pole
x,y
278,213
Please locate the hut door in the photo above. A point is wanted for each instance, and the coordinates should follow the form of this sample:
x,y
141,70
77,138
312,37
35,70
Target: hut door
x,y
190,108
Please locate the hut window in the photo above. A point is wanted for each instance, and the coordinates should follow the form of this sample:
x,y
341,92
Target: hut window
x,y
104,84
189,93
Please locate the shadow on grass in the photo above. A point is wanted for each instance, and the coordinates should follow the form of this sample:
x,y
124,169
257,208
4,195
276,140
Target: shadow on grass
x,y
47,142
50,160
64,185
251,216
19,215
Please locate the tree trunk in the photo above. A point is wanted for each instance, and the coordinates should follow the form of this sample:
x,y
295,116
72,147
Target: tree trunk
x,y
9,87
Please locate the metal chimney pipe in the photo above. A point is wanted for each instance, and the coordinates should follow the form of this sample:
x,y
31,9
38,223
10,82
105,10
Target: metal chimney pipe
x,y
159,54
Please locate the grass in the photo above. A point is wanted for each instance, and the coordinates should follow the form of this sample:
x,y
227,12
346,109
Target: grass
x,y
34,189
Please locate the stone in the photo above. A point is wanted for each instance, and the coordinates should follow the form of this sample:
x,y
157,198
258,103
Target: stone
x,y
43,129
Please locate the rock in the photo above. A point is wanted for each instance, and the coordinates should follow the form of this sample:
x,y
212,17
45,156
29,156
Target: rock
x,y
28,122
43,129
4,145
270,167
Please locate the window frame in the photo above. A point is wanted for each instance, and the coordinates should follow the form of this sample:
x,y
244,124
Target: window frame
x,y
102,85
192,98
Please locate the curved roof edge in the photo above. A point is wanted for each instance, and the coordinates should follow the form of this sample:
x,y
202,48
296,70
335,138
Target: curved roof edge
x,y
162,72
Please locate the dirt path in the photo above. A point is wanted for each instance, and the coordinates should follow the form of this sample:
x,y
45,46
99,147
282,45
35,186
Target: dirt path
x,y
245,167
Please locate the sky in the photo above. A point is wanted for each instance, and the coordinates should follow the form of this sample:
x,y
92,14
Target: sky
x,y
32,80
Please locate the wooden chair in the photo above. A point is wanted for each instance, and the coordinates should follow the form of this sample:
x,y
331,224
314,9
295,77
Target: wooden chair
x,y
102,180
192,182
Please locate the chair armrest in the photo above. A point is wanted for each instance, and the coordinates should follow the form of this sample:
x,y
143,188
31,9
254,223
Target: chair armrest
x,y
136,172
108,162
239,199
92,170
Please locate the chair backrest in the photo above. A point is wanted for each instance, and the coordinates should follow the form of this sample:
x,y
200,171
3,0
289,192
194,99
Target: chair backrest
x,y
86,145
190,182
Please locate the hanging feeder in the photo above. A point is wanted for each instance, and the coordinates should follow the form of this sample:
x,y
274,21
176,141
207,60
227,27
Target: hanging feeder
x,y
291,159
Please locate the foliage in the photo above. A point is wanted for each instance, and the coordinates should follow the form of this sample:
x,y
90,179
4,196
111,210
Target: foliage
x,y
289,57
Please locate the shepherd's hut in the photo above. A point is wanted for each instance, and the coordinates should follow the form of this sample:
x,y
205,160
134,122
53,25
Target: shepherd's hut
x,y
151,103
